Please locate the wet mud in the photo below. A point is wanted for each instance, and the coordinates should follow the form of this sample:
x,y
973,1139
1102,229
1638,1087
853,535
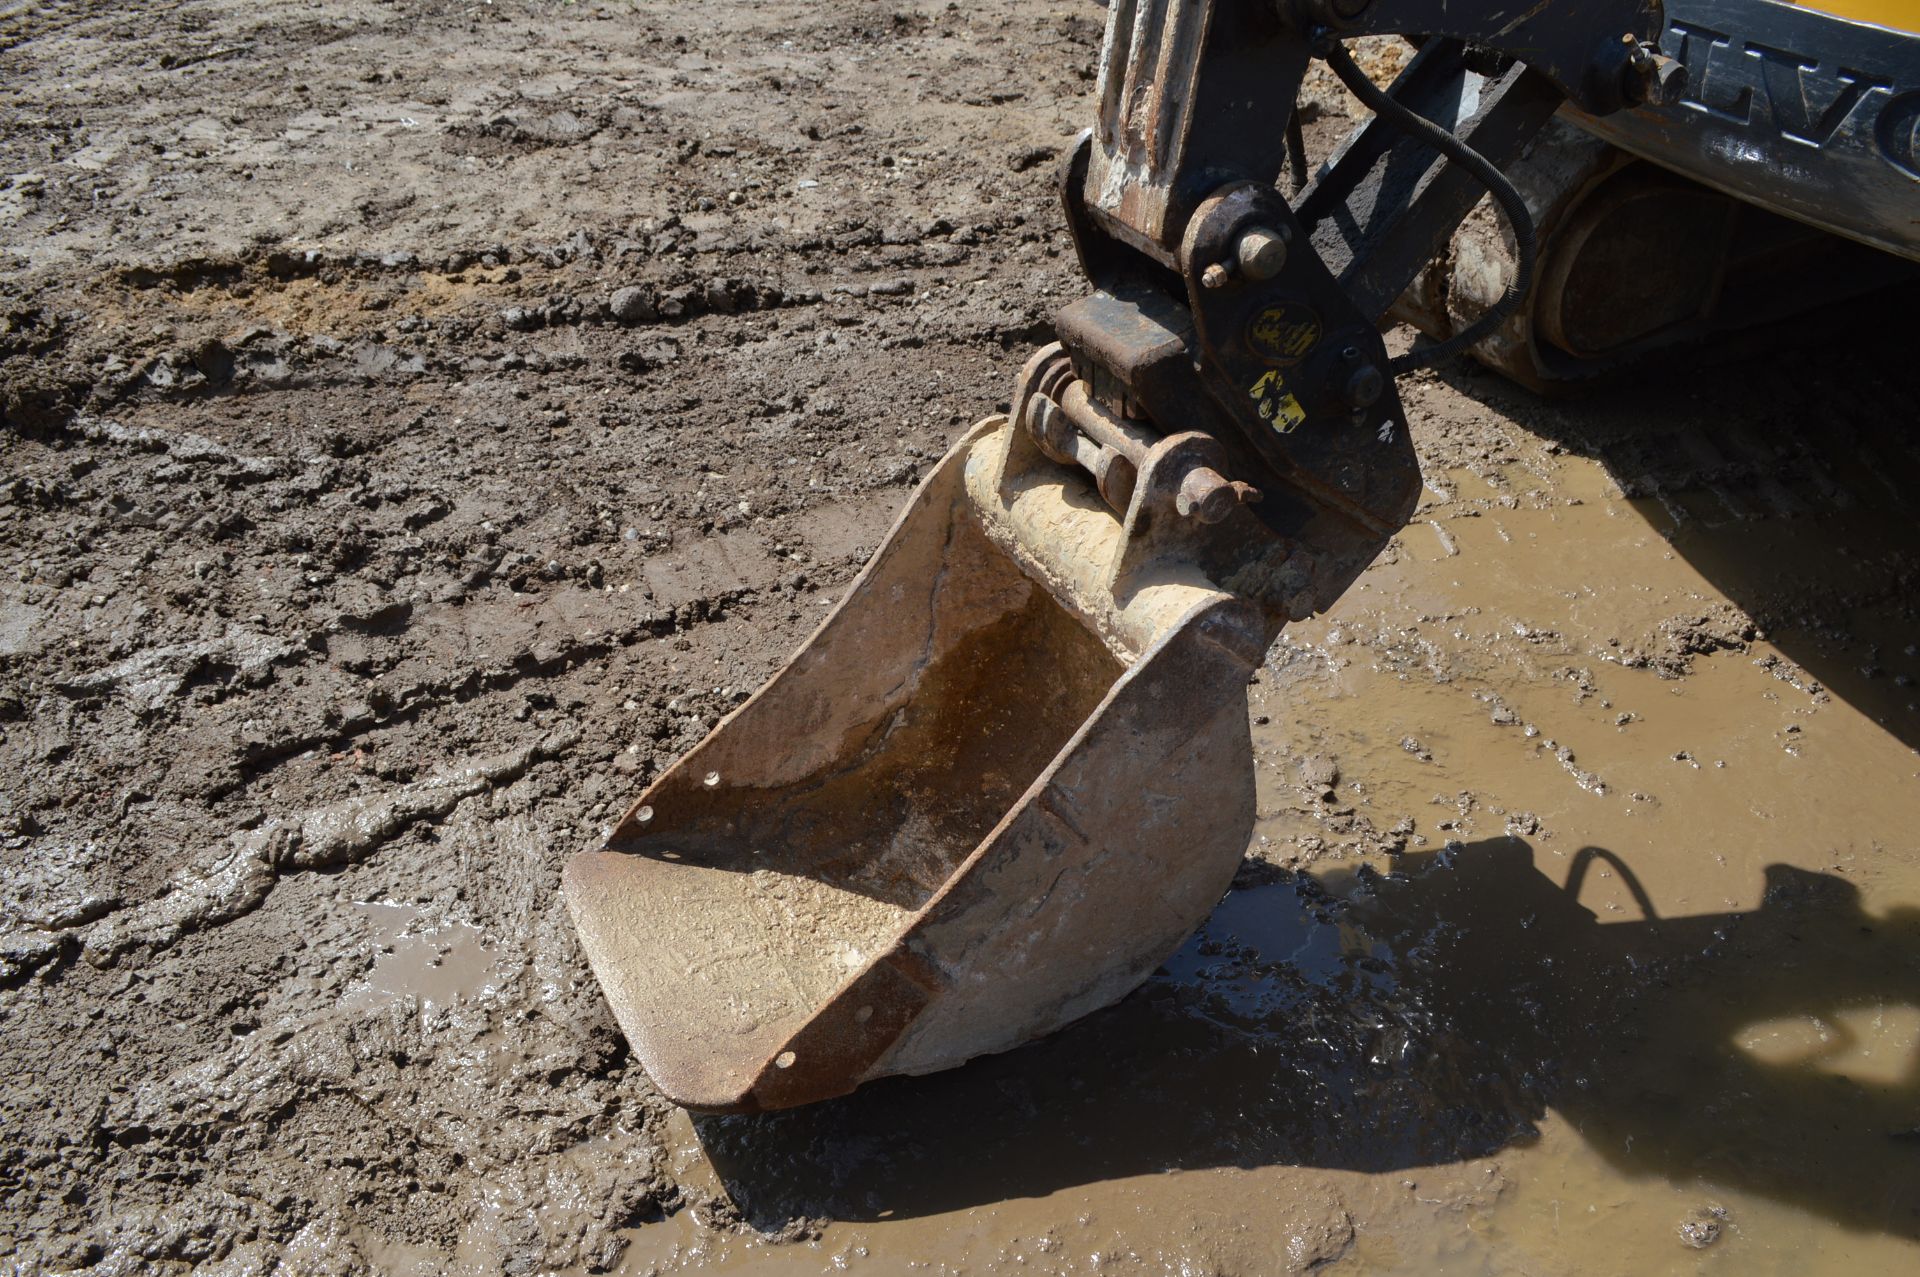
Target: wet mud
x,y
423,422
1581,933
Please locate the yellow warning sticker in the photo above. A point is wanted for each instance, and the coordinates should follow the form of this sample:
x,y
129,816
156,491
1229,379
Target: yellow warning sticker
x,y
1283,334
1277,405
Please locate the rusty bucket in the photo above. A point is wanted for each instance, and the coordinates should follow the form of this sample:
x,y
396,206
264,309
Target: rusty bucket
x,y
996,788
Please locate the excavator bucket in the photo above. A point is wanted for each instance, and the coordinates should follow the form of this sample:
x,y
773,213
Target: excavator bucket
x,y
1012,770
996,788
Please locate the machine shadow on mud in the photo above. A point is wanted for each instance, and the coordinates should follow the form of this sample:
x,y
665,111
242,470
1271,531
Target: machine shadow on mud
x,y
1011,770
1433,1015
1801,516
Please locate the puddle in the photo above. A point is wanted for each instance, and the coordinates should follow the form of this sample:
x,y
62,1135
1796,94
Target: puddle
x,y
1877,1045
439,963
1591,945
1417,1072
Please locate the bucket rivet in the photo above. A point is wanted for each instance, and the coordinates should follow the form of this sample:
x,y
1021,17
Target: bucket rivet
x,y
713,780
863,1015
643,815
784,1060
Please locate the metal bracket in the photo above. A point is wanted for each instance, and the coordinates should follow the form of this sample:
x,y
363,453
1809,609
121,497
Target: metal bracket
x,y
1220,312
1384,204
1596,53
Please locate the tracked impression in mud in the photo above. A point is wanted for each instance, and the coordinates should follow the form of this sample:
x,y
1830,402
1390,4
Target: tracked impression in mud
x,y
422,424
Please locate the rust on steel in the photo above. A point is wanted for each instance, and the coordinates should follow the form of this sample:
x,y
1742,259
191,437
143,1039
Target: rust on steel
x,y
1000,784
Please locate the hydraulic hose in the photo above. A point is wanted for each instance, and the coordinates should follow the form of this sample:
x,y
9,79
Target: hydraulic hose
x,y
1519,220
1297,174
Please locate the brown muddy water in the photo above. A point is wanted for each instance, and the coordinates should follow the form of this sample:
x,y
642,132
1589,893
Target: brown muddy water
x,y
1582,935
437,965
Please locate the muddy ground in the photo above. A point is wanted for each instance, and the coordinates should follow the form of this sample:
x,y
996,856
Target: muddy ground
x,y
423,421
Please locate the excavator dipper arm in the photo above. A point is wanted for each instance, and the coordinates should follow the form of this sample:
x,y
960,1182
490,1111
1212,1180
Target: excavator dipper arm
x,y
1225,307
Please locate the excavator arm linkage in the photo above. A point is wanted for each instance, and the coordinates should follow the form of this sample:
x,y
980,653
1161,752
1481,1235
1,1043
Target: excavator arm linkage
x,y
1224,306
1012,770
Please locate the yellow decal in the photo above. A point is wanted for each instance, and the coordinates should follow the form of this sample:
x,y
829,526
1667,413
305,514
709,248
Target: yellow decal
x,y
1284,334
1277,405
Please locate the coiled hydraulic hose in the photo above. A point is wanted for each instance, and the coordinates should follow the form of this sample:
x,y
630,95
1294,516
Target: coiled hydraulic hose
x,y
1519,220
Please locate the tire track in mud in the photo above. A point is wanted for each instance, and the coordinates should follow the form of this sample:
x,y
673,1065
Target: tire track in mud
x,y
304,505
235,879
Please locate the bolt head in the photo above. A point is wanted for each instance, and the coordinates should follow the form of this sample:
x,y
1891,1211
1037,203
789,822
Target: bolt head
x,y
1669,82
1364,386
1205,497
1214,276
1049,428
1261,252
1651,77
